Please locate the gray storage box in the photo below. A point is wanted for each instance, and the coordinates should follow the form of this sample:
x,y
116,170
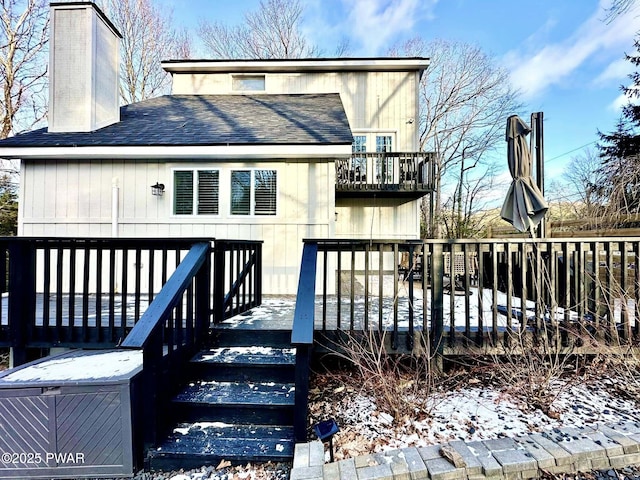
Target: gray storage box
x,y
71,416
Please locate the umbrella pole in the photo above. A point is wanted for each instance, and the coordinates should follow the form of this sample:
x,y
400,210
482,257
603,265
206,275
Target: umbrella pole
x,y
537,151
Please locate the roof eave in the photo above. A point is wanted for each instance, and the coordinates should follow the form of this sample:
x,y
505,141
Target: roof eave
x,y
322,65
181,152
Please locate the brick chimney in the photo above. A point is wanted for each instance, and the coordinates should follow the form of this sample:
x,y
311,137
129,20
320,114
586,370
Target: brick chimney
x,y
83,68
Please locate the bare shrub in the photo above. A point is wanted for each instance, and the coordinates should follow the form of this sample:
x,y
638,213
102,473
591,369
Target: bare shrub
x,y
401,384
534,369
539,360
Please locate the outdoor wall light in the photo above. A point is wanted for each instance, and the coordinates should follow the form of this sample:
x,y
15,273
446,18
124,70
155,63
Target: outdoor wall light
x,y
157,189
325,431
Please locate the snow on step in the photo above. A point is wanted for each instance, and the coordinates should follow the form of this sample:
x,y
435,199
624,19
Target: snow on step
x,y
229,441
238,393
254,355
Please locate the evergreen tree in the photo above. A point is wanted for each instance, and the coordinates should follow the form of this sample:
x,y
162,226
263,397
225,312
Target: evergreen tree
x,y
8,206
619,182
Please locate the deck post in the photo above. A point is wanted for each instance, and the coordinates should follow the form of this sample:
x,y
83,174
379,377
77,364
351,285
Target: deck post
x,y
302,336
218,282
203,299
22,298
303,360
151,361
437,300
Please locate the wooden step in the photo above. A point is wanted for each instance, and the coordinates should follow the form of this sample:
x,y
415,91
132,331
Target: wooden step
x,y
268,403
238,404
223,335
244,355
245,363
192,445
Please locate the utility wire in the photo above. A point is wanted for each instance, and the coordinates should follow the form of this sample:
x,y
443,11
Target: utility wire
x,y
570,151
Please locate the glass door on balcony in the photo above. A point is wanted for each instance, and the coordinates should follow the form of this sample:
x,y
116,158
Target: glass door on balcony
x,y
369,167
384,166
358,167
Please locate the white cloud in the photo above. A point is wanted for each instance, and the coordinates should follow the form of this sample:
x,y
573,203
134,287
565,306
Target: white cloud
x,y
534,71
620,101
375,23
617,70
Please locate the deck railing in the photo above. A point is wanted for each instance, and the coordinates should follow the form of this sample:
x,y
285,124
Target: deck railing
x,y
465,294
170,331
386,172
302,337
237,277
58,292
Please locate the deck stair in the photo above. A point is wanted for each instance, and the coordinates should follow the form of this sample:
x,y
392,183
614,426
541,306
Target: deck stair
x,y
237,404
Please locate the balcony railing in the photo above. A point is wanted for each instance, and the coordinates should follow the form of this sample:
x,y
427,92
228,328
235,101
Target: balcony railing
x,y
386,172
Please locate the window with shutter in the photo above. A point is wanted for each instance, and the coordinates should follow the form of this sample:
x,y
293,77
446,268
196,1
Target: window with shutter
x,y
183,192
265,192
254,192
196,192
241,192
208,187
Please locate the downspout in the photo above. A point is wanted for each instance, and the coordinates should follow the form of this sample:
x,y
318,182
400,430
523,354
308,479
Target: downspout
x,y
115,195
115,207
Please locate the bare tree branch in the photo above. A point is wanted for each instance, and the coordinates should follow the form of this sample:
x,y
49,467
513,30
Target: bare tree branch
x,y
272,31
148,39
619,7
465,99
24,26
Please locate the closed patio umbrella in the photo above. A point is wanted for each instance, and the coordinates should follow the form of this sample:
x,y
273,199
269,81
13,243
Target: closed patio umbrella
x,y
524,206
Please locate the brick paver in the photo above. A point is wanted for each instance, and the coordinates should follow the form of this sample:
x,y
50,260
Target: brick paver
x,y
562,450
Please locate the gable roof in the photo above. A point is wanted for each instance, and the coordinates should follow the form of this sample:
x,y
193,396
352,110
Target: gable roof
x,y
187,120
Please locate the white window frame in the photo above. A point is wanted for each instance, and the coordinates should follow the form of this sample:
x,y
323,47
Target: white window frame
x,y
252,193
372,133
374,167
195,200
248,89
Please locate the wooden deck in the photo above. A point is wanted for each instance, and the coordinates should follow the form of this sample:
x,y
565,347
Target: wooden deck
x,y
439,297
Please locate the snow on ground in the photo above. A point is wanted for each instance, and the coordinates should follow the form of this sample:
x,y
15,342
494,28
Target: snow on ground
x,y
470,413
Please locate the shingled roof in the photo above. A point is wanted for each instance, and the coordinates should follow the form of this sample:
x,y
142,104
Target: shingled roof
x,y
177,120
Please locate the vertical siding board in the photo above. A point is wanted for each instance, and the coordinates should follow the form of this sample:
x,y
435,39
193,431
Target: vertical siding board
x,y
62,185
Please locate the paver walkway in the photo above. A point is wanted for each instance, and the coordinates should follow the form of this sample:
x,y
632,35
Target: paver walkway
x,y
561,450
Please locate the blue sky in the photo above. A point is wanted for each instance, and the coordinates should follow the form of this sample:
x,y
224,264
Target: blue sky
x,y
566,61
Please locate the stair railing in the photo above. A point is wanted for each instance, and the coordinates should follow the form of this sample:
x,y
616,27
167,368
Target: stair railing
x,y
302,336
237,280
170,330
79,292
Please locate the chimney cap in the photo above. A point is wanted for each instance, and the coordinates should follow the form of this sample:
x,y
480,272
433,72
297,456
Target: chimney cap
x,y
89,4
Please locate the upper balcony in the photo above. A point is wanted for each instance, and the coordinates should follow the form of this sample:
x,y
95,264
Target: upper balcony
x,y
389,174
